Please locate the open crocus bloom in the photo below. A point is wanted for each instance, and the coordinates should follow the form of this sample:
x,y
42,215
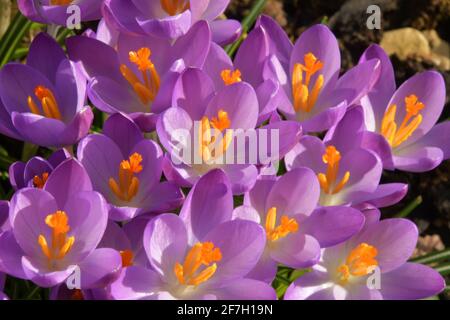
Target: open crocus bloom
x,y
308,72
200,254
126,169
209,129
170,18
380,250
56,229
294,231
44,100
347,173
56,11
138,77
402,122
35,172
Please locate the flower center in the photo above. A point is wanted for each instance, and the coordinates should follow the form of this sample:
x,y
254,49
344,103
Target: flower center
x,y
286,226
49,106
60,244
174,7
77,295
148,87
396,136
128,185
212,141
127,258
304,96
39,181
327,181
60,2
229,77
358,262
201,255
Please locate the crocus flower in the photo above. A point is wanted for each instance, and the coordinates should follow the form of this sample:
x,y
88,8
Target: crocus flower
x,y
35,172
208,127
56,229
402,122
295,231
59,11
199,254
138,77
44,100
126,169
348,174
170,18
381,249
3,296
313,93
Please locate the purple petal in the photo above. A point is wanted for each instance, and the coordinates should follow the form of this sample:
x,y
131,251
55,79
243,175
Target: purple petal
x,y
246,289
296,250
100,268
378,144
11,255
123,132
170,27
225,31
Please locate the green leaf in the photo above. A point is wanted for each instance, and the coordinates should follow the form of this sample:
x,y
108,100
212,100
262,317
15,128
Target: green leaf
x,y
410,208
13,37
433,257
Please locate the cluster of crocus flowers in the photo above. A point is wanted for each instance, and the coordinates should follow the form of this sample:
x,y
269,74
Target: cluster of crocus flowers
x,y
176,195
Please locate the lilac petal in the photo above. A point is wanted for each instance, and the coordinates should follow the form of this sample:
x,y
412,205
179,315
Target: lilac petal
x,y
266,268
395,240
4,214
11,255
362,292
28,9
89,9
297,250
388,194
333,225
251,57
321,42
209,203
268,99
123,132
411,281
315,284
192,92
100,268
163,197
16,175
429,87
165,242
78,128
115,238
378,98
246,289
242,177
257,196
215,9
106,34
36,166
418,159
123,213
246,213
239,100
6,126
217,61
121,15
134,230
307,153
145,121
437,137
170,27
325,119
46,56
378,144
136,283
70,174
296,192
241,244
45,279
57,157
225,31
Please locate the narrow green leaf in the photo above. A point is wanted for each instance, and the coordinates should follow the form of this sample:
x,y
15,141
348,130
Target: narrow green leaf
x,y
443,270
433,257
14,43
410,208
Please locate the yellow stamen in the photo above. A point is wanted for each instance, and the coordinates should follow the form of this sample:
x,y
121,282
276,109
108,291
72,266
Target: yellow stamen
x,y
327,181
61,244
396,136
229,77
286,226
146,88
39,182
128,186
208,142
304,97
127,258
49,105
174,7
358,262
60,2
201,254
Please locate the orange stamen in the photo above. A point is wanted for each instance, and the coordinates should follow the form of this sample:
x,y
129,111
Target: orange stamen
x,y
327,181
286,226
358,262
49,105
39,182
230,77
174,7
209,142
127,258
128,185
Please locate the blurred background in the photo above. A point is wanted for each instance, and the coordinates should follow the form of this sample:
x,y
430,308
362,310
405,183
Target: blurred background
x,y
416,34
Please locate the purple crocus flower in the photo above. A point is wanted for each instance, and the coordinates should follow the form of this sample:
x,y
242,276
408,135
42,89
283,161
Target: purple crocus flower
x,y
313,93
44,100
170,18
402,122
348,174
3,296
138,77
295,231
126,169
56,229
381,249
221,120
59,11
199,254
35,172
